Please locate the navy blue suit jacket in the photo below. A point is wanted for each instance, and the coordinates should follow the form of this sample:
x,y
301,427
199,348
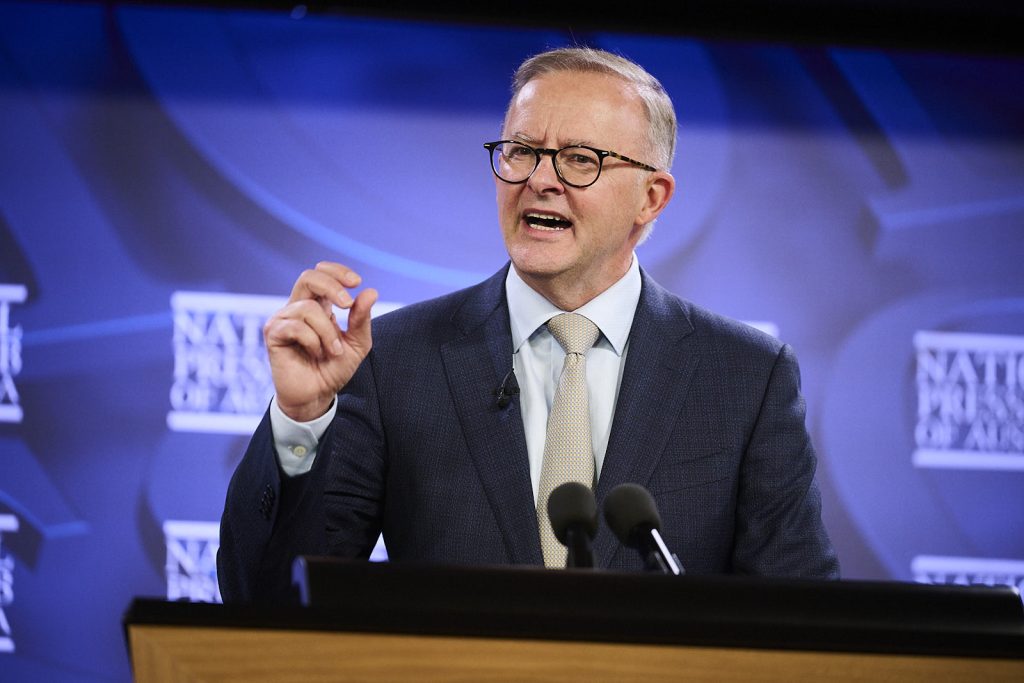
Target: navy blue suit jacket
x,y
709,419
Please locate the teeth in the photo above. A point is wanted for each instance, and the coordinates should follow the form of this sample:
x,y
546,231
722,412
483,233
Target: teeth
x,y
543,221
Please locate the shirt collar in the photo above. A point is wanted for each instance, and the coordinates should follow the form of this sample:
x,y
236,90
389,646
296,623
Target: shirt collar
x,y
612,310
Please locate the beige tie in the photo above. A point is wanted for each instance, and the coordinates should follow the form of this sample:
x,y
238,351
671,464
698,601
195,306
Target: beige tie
x,y
568,451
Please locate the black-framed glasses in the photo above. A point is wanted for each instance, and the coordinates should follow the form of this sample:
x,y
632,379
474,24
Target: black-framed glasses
x,y
576,165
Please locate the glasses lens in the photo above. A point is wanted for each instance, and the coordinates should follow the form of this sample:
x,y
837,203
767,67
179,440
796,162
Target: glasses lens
x,y
578,165
513,162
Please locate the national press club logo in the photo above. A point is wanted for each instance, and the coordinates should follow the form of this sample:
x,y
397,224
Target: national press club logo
x,y
970,407
10,411
970,415
968,571
192,560
222,380
10,353
8,524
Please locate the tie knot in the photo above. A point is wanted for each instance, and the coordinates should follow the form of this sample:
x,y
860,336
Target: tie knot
x,y
574,332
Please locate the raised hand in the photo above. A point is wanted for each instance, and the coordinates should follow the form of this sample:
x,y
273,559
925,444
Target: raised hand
x,y
311,358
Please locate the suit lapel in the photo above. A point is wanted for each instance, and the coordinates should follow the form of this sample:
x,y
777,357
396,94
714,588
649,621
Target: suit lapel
x,y
660,362
476,360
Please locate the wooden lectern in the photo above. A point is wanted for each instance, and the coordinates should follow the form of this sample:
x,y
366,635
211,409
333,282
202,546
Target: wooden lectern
x,y
390,622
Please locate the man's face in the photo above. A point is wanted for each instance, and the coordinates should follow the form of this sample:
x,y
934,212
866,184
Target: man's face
x,y
591,246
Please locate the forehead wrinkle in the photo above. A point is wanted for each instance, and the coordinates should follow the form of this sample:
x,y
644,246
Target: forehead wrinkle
x,y
570,142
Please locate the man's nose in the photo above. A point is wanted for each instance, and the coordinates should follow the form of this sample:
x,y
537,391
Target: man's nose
x,y
545,177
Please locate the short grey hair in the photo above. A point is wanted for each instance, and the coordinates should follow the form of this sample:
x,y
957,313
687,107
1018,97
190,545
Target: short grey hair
x,y
661,114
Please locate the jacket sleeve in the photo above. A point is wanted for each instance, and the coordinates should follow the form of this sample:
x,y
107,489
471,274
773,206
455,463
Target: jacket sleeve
x,y
779,531
268,520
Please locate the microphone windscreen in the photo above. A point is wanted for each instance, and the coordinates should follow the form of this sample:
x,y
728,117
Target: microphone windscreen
x,y
627,507
572,503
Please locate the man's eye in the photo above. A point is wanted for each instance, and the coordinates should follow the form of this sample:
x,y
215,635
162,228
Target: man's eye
x,y
580,159
518,152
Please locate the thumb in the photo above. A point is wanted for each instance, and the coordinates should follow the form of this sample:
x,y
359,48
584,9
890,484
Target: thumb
x,y
358,333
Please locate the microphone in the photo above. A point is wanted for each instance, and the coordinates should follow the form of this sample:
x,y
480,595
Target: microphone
x,y
508,389
572,512
633,515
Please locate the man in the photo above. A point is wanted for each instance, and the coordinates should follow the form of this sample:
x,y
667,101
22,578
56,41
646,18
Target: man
x,y
408,438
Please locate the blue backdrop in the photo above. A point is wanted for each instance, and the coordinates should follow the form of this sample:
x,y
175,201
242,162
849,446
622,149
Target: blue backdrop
x,y
168,172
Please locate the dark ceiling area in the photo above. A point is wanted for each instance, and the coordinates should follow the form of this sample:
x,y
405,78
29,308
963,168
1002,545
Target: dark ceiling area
x,y
984,26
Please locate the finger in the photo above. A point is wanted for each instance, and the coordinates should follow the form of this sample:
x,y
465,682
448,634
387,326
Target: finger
x,y
309,314
293,332
358,333
321,285
343,274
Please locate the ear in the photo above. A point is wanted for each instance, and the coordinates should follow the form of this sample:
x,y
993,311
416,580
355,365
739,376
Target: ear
x,y
660,187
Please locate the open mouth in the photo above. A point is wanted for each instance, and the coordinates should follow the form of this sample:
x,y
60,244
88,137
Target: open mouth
x,y
545,221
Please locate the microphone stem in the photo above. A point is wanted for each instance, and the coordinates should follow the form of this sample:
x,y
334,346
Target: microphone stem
x,y
660,557
580,554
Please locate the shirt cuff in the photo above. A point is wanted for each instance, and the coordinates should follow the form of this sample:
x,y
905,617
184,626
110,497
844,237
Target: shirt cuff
x,y
296,442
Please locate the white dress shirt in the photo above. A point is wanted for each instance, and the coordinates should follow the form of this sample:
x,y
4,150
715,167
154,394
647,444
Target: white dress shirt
x,y
537,359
